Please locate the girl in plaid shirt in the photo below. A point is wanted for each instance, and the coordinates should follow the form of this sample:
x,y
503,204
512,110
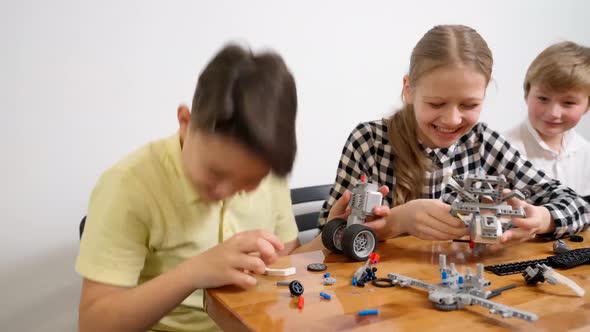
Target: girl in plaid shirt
x,y
436,133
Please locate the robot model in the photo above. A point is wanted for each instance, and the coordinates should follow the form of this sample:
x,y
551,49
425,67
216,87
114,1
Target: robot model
x,y
351,237
456,290
481,206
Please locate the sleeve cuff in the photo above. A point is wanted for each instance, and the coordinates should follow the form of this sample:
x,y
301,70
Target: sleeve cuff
x,y
561,228
108,276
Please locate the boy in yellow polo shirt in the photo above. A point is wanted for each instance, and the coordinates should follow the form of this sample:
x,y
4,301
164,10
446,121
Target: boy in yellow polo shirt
x,y
187,212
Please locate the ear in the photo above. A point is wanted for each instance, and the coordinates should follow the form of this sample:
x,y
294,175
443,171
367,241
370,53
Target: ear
x,y
183,114
407,92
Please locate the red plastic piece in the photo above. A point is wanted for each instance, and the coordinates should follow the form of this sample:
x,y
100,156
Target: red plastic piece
x,y
471,244
300,302
374,258
363,178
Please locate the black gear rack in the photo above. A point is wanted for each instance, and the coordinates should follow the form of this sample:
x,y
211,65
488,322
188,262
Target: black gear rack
x,y
566,260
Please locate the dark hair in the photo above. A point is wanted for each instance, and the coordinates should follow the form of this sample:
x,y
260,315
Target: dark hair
x,y
250,98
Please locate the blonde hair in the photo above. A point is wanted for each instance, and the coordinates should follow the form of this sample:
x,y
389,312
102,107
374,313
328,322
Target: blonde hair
x,y
560,67
441,46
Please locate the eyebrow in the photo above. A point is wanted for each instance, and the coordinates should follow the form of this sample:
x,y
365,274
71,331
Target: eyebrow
x,y
543,92
573,97
470,99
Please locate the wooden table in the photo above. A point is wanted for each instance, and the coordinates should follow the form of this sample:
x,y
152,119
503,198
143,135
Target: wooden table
x,y
268,307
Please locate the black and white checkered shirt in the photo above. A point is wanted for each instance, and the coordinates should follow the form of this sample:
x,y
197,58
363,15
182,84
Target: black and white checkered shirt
x,y
367,152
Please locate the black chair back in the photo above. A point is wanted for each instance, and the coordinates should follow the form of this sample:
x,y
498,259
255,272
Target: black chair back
x,y
81,227
307,221
304,221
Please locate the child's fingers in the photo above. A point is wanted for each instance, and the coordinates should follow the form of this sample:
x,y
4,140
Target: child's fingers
x,y
493,248
381,211
241,279
267,252
524,224
376,225
441,213
516,234
380,227
446,232
516,203
248,242
428,233
384,190
342,202
249,263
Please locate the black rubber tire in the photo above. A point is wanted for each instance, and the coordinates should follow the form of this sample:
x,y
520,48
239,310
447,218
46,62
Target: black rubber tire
x,y
351,234
329,232
296,288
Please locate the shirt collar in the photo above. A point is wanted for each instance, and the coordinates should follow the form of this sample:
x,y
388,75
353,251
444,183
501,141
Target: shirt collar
x,y
174,151
569,144
442,154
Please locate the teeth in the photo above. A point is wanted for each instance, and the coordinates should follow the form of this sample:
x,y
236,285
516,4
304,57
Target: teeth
x,y
445,130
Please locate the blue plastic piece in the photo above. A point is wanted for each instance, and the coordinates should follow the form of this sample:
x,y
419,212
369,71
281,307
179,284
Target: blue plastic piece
x,y
325,296
368,312
326,275
354,281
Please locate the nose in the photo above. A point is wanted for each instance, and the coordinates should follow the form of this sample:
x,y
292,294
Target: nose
x,y
451,117
555,111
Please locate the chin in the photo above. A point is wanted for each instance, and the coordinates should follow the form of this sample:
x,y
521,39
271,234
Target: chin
x,y
552,132
445,145
446,142
209,196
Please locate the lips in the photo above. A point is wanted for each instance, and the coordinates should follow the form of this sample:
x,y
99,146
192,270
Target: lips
x,y
553,124
446,130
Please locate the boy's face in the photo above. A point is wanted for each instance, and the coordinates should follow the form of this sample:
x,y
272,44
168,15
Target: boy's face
x,y
553,113
447,102
217,166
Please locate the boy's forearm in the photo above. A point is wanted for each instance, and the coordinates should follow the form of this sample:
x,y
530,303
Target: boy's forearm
x,y
138,308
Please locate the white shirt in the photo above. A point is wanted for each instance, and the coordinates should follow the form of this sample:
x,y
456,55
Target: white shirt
x,y
571,166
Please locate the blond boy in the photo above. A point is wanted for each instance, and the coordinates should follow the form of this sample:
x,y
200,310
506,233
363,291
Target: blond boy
x,y
557,93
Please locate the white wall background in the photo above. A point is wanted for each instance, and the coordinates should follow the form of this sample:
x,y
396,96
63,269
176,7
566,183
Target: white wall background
x,y
83,83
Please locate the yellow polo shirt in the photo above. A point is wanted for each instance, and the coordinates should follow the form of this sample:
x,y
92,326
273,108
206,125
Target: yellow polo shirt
x,y
144,218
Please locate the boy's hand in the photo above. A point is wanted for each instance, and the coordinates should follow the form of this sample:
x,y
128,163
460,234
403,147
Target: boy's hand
x,y
228,262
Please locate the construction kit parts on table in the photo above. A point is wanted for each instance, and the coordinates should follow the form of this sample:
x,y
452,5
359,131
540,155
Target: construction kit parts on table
x,y
317,267
566,260
382,282
329,281
280,272
296,288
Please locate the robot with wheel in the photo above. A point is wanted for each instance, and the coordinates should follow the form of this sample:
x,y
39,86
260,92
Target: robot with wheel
x,y
351,237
